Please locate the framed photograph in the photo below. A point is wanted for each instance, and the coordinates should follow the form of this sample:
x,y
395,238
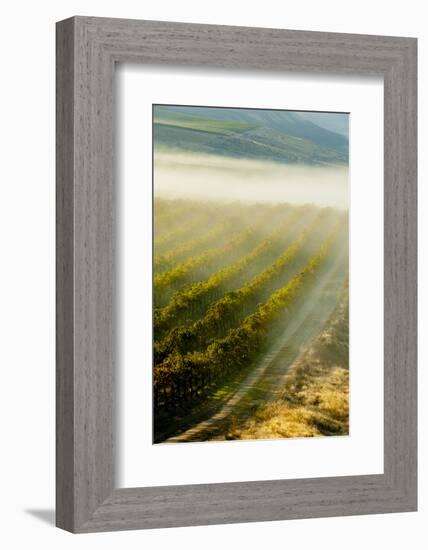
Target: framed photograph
x,y
236,274
249,274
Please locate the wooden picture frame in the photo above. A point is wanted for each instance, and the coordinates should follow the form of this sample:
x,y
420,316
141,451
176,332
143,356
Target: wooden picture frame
x,y
87,50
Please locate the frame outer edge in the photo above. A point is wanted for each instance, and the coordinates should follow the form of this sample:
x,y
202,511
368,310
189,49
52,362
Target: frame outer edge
x,y
407,276
400,314
94,275
86,498
65,108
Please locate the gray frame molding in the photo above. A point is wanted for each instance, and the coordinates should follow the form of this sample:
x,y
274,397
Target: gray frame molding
x,y
87,50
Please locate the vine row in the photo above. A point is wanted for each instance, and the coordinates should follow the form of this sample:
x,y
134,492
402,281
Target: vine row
x,y
230,308
181,378
188,303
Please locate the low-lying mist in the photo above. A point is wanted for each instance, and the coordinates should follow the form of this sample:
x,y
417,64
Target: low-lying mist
x,y
210,177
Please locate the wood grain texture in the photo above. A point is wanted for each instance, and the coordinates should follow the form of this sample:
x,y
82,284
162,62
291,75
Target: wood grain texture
x,y
64,276
87,50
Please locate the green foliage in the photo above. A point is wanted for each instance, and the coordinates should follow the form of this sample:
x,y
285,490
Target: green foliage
x,y
175,235
230,238
228,310
191,300
218,233
181,377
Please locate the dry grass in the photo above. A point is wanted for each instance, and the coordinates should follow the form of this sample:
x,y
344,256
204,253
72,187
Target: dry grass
x,y
314,400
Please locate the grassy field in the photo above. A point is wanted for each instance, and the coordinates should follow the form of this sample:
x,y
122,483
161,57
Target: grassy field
x,y
314,399
230,280
210,126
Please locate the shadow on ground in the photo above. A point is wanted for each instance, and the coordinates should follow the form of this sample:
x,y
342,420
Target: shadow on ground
x,y
43,514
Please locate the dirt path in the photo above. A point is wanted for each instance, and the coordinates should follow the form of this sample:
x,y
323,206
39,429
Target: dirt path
x,y
266,379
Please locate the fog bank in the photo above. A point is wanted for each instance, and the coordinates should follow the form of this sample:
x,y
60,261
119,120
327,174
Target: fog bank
x,y
210,177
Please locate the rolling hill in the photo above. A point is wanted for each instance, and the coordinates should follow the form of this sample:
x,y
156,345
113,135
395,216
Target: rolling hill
x,y
281,136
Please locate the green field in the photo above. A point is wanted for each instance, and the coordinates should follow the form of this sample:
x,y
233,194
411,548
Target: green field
x,y
235,284
199,124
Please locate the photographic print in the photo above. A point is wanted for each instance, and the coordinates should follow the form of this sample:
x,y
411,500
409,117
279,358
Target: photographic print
x,y
250,274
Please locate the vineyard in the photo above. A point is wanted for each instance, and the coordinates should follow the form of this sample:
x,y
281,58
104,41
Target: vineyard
x,y
228,279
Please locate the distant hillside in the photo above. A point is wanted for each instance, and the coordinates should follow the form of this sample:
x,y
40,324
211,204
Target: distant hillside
x,y
281,136
335,122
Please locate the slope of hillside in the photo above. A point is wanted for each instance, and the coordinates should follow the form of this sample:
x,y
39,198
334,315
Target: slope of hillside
x,y
306,126
335,122
274,135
